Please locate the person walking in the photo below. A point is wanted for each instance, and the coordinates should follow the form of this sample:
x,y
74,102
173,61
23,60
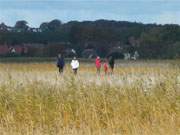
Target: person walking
x,y
106,67
75,65
111,63
98,64
60,63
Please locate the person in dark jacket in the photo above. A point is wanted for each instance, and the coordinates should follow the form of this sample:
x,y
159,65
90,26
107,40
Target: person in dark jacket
x,y
111,63
60,63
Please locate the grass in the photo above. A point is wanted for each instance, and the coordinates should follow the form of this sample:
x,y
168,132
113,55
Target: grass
x,y
140,98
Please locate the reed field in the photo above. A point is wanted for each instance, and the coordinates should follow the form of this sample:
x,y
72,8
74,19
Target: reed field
x,y
140,98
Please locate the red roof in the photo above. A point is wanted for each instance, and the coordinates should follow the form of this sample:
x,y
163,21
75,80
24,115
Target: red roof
x,y
4,49
18,49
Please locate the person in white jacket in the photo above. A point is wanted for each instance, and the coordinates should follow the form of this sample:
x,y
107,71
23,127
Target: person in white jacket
x,y
75,65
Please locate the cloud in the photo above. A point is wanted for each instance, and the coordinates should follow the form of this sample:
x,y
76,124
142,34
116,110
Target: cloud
x,y
167,17
38,11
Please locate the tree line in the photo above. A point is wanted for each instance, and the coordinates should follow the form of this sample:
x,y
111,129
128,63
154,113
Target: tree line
x,y
152,41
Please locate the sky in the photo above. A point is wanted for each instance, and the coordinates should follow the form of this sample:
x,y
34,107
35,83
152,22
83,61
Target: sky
x,y
37,11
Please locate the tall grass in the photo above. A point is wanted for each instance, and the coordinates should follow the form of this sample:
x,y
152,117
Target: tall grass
x,y
35,99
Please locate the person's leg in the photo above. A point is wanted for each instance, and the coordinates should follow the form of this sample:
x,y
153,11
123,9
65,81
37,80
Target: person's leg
x,y
75,71
106,71
112,68
60,70
98,71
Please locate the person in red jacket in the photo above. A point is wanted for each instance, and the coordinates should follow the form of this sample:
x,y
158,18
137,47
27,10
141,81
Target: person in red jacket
x,y
98,64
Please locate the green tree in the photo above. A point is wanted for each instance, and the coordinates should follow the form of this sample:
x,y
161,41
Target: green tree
x,y
21,26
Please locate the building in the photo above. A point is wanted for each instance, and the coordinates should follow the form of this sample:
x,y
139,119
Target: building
x,y
89,53
16,50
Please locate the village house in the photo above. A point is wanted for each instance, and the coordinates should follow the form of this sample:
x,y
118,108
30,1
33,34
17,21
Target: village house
x,y
34,30
117,52
17,50
69,53
89,53
4,50
5,28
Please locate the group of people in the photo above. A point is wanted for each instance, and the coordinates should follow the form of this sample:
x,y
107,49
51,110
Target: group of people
x,y
107,64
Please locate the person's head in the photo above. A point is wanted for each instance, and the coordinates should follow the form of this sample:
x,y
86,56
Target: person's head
x,y
98,57
74,58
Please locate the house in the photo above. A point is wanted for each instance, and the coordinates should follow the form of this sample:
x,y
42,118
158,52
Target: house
x,y
89,53
34,49
34,30
117,52
70,53
135,56
127,56
3,27
9,29
6,50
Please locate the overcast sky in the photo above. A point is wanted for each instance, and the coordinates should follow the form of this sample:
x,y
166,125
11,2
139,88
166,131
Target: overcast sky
x,y
37,11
